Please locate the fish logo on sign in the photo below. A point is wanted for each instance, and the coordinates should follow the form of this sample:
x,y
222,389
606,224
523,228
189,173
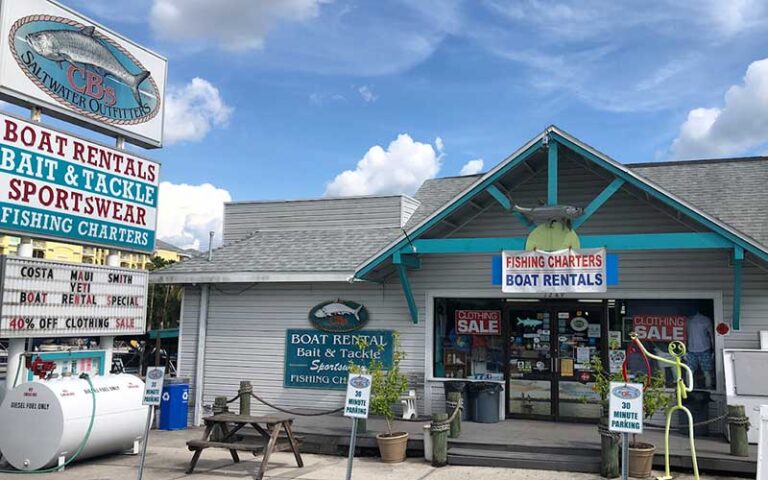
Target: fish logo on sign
x,y
84,70
359,382
155,374
338,316
626,392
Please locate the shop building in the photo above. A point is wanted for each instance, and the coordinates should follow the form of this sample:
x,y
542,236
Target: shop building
x,y
685,251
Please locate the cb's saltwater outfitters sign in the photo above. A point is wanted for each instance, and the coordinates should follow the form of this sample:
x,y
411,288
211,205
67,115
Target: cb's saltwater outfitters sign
x,y
315,359
564,271
56,58
52,299
59,186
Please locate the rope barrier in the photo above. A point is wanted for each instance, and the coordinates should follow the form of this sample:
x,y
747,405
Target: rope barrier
x,y
605,432
293,412
736,420
444,425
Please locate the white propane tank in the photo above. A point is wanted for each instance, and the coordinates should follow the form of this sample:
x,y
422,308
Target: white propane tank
x,y
43,420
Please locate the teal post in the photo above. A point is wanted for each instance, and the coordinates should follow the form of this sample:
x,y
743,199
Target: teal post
x,y
738,259
552,173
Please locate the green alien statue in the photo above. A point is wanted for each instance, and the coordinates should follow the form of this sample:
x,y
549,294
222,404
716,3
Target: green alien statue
x,y
677,350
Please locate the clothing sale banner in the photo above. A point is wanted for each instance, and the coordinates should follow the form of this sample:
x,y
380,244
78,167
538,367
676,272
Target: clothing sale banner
x,y
563,271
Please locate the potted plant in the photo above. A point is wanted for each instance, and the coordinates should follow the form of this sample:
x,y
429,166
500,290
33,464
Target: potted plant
x,y
388,384
655,397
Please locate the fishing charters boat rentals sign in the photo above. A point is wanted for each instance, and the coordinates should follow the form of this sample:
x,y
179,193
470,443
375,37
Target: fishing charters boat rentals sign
x,y
563,271
74,68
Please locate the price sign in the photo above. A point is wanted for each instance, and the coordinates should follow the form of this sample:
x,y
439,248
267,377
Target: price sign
x,y
626,407
153,387
358,396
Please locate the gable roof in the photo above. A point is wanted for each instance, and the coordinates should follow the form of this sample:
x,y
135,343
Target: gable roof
x,y
563,138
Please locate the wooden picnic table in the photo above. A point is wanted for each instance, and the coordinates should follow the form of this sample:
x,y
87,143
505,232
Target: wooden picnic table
x,y
226,426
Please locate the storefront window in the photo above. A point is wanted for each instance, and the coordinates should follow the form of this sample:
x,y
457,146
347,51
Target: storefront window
x,y
660,322
469,340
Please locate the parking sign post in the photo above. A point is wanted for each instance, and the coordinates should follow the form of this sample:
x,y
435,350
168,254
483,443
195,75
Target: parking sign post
x,y
356,407
153,389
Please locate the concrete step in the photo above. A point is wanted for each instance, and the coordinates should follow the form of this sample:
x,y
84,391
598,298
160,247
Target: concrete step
x,y
525,460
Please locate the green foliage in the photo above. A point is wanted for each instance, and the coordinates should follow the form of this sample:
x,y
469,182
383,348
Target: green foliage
x,y
164,303
387,385
655,396
603,381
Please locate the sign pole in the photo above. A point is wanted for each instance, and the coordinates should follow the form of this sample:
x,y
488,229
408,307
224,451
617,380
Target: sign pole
x,y
153,391
352,442
356,406
624,456
145,442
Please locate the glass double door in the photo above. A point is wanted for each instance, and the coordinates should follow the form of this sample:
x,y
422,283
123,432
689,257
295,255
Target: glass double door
x,y
550,348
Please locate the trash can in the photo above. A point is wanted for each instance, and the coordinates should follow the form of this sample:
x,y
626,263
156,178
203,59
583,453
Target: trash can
x,y
174,405
485,398
461,387
698,403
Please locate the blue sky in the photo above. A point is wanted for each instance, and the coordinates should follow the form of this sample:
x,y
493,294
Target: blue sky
x,y
291,93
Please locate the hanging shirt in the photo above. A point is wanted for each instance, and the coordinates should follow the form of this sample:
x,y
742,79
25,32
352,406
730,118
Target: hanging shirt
x,y
700,333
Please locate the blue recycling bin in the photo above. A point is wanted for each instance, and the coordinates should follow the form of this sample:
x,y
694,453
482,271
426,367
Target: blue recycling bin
x,y
174,407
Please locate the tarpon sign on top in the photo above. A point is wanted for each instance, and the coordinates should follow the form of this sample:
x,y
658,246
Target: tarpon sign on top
x,y
78,70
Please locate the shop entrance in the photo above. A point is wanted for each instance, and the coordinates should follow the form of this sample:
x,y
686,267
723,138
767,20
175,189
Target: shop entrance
x,y
549,348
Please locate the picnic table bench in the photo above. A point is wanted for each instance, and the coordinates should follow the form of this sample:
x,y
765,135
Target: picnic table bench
x,y
275,432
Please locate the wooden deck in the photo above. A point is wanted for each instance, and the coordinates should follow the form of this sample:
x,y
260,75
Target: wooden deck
x,y
525,444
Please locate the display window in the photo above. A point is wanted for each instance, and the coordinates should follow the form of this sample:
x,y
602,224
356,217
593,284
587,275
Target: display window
x,y
660,322
469,339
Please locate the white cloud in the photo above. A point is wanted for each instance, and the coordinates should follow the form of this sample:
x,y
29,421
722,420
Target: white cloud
x,y
472,167
401,168
318,99
192,110
739,126
235,25
188,212
367,94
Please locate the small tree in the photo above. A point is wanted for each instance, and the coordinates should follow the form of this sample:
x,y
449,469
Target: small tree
x,y
387,384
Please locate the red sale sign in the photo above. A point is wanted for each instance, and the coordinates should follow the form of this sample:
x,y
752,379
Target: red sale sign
x,y
478,322
660,327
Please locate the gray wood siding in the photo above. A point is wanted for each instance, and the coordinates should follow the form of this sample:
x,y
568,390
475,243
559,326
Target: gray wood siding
x,y
187,361
243,218
246,337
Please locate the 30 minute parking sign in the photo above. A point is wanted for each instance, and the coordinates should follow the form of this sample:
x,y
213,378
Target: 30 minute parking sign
x,y
626,407
154,385
358,398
